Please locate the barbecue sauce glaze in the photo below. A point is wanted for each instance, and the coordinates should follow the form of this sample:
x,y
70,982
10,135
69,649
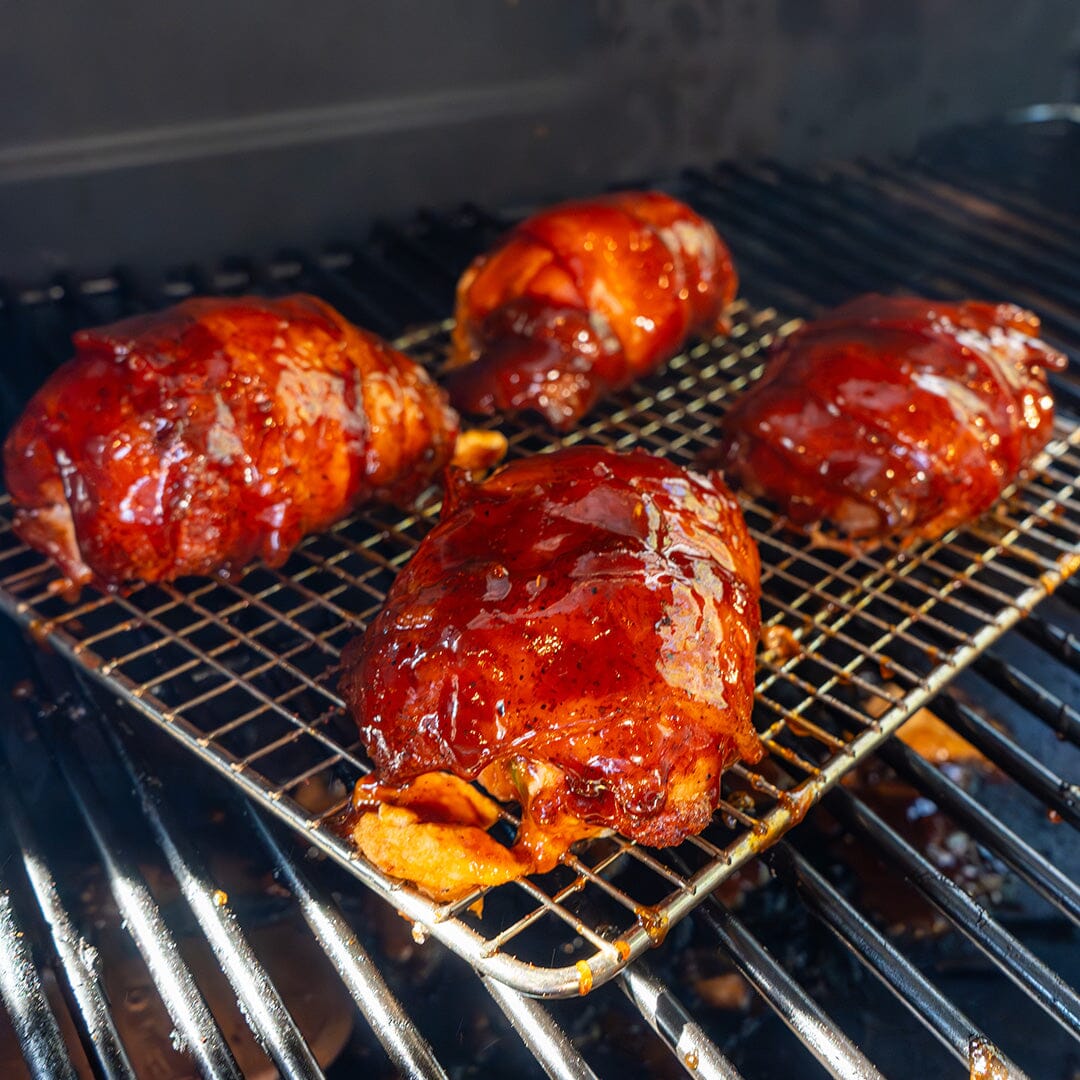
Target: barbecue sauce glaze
x,y
582,299
200,437
578,632
894,415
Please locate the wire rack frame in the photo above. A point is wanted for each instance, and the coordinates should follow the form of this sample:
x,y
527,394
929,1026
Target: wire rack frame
x,y
243,671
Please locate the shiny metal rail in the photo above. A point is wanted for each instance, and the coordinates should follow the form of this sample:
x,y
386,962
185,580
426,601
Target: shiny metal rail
x,y
23,996
666,1015
401,1039
77,957
1036,978
547,1041
839,1056
1021,857
196,1027
951,1027
265,1012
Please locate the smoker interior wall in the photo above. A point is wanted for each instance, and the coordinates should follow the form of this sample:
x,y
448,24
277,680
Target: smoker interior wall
x,y
159,133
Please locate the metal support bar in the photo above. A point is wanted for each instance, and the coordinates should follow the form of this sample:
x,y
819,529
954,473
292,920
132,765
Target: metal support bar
x,y
539,1032
946,1022
1044,986
1037,871
195,1024
406,1047
665,1014
24,998
832,1048
265,1013
75,953
1057,793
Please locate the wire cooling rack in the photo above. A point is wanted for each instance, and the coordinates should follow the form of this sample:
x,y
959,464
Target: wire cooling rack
x,y
243,672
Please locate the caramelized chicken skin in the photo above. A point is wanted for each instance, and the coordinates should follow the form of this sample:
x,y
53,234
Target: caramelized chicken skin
x,y
197,438
578,633
582,299
894,415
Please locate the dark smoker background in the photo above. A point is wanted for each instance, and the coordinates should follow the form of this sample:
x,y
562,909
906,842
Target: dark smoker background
x,y
154,133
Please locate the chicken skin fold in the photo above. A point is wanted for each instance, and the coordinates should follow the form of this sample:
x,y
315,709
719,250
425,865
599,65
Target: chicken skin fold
x,y
198,438
894,416
581,300
577,633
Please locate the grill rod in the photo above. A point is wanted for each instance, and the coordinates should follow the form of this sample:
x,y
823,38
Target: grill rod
x,y
1048,707
1037,871
1034,224
666,1015
185,1003
264,1011
76,955
842,203
24,998
1011,249
1050,789
947,1023
539,1032
1053,639
832,1048
400,1038
912,252
1044,986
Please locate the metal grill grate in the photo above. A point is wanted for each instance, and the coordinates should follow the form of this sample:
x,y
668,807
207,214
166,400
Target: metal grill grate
x,y
243,672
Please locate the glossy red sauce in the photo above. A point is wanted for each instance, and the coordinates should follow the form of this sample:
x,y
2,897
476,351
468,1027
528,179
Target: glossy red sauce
x,y
588,621
201,437
894,415
582,299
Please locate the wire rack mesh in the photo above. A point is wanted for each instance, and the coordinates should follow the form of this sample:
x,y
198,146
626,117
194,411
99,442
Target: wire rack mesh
x,y
243,671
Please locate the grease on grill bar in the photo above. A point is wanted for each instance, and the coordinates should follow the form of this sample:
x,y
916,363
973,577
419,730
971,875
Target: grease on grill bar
x,y
243,672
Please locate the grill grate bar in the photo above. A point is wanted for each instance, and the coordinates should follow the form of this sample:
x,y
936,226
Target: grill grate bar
x,y
72,949
999,252
1048,707
665,1014
839,1056
24,998
950,1026
843,197
1038,871
539,1032
265,1012
142,918
1057,793
401,1039
1044,986
1019,208
985,219
1056,640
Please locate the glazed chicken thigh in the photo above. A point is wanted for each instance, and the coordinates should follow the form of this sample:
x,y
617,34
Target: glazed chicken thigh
x,y
197,438
582,299
578,633
894,416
